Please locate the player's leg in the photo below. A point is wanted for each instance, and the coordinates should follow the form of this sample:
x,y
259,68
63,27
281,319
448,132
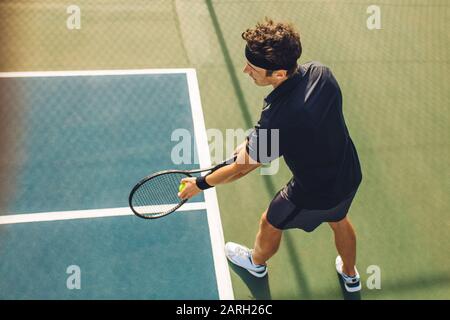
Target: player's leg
x,y
345,240
266,245
267,241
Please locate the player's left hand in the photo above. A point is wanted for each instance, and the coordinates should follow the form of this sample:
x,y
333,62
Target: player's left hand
x,y
190,189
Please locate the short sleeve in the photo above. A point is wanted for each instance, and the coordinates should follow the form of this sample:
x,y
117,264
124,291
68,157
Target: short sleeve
x,y
263,144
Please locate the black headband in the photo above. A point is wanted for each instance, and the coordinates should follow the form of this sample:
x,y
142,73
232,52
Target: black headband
x,y
264,63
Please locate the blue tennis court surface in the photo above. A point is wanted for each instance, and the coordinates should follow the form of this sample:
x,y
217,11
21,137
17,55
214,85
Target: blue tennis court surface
x,y
90,137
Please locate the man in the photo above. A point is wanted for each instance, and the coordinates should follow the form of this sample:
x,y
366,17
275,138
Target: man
x,y
305,108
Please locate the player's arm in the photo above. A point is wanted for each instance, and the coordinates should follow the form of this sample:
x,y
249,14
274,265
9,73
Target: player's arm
x,y
242,166
238,176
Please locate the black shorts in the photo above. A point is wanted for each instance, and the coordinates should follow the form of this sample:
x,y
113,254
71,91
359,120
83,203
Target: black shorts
x,y
284,214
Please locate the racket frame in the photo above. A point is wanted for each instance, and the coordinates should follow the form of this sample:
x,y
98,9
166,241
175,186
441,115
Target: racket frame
x,y
188,174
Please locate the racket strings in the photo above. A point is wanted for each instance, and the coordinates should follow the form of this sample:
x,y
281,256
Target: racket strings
x,y
155,196
158,195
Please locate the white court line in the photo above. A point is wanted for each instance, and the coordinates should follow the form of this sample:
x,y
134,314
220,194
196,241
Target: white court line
x,y
72,73
83,214
215,225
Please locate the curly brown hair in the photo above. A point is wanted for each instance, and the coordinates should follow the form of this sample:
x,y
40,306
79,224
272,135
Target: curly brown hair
x,y
278,43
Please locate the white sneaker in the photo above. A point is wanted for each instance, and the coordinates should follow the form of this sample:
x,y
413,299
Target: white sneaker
x,y
351,283
242,257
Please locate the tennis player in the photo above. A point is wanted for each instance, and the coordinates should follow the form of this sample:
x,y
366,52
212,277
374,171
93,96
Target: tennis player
x,y
305,106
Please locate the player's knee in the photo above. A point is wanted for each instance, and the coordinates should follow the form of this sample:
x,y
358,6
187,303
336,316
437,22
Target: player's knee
x,y
343,225
338,224
265,224
333,225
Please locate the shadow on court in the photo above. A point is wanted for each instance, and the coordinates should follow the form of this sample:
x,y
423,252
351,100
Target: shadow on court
x,y
348,295
259,287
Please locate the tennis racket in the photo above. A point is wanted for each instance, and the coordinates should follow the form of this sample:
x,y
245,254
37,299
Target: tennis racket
x,y
156,196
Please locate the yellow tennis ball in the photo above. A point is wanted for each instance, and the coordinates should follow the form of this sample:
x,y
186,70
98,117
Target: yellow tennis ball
x,y
181,187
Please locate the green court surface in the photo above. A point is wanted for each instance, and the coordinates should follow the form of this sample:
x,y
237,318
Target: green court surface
x,y
396,102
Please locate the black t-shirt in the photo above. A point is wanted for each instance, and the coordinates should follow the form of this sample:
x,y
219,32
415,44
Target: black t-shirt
x,y
306,111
